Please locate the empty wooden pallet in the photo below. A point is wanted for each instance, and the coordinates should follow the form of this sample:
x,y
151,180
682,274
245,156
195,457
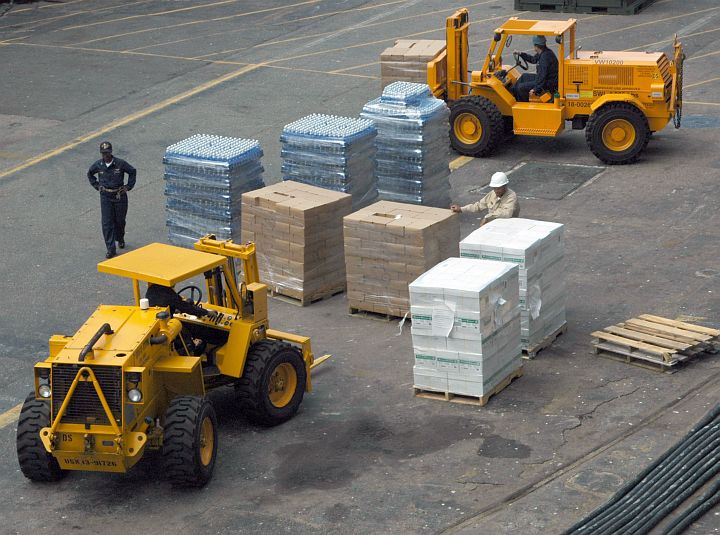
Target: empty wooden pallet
x,y
656,341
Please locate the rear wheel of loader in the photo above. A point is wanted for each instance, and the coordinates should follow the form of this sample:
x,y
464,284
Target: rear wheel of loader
x,y
476,126
273,382
190,441
35,462
617,133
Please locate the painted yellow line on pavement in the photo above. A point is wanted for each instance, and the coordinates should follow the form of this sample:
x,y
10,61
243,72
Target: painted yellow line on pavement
x,y
355,67
143,15
701,83
10,416
182,24
129,119
701,103
692,58
458,162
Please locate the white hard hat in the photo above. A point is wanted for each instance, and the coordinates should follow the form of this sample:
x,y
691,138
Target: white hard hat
x,y
498,179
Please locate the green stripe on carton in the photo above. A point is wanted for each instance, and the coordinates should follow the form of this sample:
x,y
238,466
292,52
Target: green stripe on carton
x,y
469,255
424,357
464,320
470,362
441,359
490,257
421,317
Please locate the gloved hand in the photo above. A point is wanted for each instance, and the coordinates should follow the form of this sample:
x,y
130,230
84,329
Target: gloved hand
x,y
123,189
101,189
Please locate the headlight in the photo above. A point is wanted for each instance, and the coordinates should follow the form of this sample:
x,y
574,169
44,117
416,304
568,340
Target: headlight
x,y
134,395
45,391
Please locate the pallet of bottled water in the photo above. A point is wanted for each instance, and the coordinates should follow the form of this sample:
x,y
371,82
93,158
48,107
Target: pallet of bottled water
x,y
331,152
412,163
205,177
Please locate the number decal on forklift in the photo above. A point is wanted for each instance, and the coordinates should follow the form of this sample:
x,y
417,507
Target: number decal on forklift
x,y
65,437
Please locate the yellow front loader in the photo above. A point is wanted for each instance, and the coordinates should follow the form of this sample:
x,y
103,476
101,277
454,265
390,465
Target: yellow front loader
x,y
134,378
618,98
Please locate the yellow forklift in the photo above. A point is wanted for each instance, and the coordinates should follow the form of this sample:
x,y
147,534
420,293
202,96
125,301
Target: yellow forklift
x,y
135,378
618,98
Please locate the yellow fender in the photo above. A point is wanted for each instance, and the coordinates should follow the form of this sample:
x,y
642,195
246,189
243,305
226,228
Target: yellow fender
x,y
617,97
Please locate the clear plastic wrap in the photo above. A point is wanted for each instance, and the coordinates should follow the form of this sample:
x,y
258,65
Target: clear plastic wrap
x,y
412,144
205,177
333,153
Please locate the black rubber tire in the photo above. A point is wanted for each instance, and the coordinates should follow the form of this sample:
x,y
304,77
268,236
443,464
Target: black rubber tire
x,y
607,113
490,119
35,462
508,126
252,387
181,441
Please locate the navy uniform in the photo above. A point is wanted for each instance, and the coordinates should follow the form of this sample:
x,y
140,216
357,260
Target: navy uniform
x,y
107,176
546,77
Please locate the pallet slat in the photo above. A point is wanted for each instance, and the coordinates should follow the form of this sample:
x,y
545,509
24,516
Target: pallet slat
x,y
664,329
649,348
681,324
644,337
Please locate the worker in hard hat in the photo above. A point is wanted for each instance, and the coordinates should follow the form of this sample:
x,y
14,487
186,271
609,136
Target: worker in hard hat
x,y
501,202
546,77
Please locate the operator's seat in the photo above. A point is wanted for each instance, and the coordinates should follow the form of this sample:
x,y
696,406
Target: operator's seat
x,y
546,97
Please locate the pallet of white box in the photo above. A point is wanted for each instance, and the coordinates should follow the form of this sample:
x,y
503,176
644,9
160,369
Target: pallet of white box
x,y
537,247
390,244
466,329
298,232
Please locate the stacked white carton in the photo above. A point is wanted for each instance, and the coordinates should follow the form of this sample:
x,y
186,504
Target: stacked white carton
x,y
538,249
465,326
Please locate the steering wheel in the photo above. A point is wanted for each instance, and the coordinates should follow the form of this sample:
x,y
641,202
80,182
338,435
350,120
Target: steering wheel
x,y
520,61
192,289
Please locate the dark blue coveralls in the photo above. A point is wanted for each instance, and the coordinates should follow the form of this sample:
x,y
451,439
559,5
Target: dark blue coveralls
x,y
545,79
110,182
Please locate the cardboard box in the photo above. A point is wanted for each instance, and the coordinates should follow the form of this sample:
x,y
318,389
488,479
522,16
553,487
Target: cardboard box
x,y
388,245
407,60
297,230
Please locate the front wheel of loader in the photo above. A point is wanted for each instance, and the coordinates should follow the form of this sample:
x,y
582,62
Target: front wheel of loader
x,y
35,461
476,126
273,383
190,441
617,133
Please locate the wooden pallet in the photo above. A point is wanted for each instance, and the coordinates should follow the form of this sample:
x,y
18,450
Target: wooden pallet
x,y
532,351
654,341
292,296
378,316
468,400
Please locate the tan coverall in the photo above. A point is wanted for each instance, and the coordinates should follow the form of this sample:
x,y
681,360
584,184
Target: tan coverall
x,y
498,207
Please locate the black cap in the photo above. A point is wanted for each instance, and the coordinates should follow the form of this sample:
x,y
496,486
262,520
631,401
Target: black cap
x,y
106,146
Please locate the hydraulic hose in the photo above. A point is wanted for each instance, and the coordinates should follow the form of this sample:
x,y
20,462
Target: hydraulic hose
x,y
679,456
663,471
628,516
707,471
706,502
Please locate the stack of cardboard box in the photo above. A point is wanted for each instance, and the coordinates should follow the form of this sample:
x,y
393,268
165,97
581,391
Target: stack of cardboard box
x,y
387,246
298,231
537,248
465,326
407,60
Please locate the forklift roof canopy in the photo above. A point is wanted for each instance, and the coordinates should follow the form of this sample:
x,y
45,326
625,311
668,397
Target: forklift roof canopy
x,y
517,26
162,264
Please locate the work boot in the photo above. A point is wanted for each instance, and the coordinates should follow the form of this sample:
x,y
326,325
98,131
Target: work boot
x,y
121,244
109,254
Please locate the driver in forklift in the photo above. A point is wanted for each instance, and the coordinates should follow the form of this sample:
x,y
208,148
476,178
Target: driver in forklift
x,y
165,296
546,77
